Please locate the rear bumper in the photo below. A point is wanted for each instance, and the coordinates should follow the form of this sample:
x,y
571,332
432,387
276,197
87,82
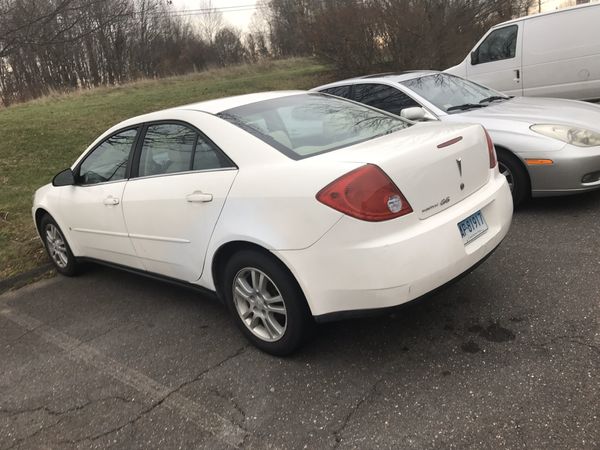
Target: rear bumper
x,y
564,177
359,266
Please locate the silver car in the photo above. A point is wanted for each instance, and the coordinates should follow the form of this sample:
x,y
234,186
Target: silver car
x,y
545,146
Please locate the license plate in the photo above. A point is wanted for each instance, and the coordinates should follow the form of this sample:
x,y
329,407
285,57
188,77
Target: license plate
x,y
472,227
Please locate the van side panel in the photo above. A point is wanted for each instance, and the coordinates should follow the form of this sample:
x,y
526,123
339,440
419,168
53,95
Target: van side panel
x,y
561,54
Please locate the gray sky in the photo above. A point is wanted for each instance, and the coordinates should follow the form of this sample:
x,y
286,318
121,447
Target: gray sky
x,y
236,12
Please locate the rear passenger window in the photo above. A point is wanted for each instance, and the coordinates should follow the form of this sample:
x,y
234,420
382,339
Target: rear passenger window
x,y
173,148
500,44
339,91
383,97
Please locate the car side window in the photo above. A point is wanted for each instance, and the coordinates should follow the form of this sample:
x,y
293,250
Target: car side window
x,y
339,91
500,44
172,148
108,161
382,97
167,148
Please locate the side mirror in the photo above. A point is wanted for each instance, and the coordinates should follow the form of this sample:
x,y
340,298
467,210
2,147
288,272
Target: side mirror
x,y
415,113
64,178
474,57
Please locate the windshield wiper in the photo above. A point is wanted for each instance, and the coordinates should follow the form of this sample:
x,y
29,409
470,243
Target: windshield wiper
x,y
492,98
465,107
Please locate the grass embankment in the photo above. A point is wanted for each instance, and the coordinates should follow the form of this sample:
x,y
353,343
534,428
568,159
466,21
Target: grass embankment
x,y
41,137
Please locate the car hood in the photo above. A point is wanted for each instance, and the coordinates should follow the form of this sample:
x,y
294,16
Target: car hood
x,y
534,110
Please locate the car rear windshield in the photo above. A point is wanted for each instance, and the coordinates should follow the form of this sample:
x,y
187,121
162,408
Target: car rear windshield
x,y
304,125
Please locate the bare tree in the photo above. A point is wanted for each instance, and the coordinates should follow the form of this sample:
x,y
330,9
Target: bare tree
x,y
366,35
228,46
210,21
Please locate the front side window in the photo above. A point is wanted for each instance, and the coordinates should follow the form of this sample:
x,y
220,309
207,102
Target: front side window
x,y
173,147
108,161
304,125
383,97
500,44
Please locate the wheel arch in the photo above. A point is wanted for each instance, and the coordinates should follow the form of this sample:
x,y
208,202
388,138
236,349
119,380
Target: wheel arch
x,y
39,213
517,158
228,249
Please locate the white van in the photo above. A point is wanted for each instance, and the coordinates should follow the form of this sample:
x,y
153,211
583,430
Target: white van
x,y
555,54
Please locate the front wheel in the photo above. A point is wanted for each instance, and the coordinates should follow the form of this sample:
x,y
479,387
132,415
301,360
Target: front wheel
x,y
516,177
57,247
266,302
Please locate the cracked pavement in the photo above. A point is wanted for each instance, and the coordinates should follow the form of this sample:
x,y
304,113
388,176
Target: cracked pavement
x,y
508,357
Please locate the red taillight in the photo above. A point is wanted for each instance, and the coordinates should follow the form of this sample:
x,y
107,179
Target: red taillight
x,y
366,193
491,150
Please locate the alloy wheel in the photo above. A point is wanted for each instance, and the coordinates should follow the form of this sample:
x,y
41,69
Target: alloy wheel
x,y
57,247
259,304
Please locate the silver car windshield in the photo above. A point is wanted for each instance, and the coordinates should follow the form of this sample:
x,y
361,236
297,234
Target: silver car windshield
x,y
453,94
305,125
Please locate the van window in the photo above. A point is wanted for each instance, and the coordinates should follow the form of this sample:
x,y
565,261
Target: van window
x,y
500,44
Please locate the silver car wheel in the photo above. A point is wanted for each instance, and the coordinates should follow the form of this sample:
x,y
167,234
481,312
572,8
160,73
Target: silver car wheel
x,y
508,174
259,304
57,248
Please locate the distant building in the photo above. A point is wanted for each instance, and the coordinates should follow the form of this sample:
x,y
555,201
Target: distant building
x,y
552,5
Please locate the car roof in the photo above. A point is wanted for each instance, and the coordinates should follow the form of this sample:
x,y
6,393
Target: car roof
x,y
396,77
210,106
222,104
537,15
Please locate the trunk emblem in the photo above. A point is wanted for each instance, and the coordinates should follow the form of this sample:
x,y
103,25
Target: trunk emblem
x,y
459,164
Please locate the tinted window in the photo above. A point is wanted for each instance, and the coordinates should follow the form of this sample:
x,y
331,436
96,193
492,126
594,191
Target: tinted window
x,y
303,125
171,148
500,44
167,148
108,161
207,156
339,91
382,97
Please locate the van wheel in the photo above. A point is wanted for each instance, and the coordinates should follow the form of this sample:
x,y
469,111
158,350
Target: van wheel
x,y
57,247
516,176
267,304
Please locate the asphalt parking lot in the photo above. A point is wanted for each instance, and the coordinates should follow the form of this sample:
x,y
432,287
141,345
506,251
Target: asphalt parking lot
x,y
508,357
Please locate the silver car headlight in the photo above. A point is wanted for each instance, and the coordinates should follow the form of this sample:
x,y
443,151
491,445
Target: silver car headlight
x,y
571,135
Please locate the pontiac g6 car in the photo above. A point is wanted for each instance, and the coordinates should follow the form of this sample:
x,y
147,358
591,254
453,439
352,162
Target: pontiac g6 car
x,y
291,206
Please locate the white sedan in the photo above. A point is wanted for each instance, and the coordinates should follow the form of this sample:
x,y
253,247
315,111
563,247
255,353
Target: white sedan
x,y
545,146
291,206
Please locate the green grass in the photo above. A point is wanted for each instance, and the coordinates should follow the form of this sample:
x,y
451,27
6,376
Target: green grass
x,y
41,137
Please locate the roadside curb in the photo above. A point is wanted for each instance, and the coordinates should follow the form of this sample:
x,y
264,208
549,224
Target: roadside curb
x,y
24,278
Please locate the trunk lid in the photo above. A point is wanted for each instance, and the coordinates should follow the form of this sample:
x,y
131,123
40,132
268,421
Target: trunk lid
x,y
434,165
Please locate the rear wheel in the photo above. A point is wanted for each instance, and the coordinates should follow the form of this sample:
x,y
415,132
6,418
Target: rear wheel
x,y
516,176
266,302
57,247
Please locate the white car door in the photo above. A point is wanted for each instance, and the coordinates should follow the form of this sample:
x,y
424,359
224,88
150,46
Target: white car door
x,y
93,208
174,198
496,62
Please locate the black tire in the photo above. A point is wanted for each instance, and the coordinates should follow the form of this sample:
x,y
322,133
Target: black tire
x,y
516,175
298,320
71,267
